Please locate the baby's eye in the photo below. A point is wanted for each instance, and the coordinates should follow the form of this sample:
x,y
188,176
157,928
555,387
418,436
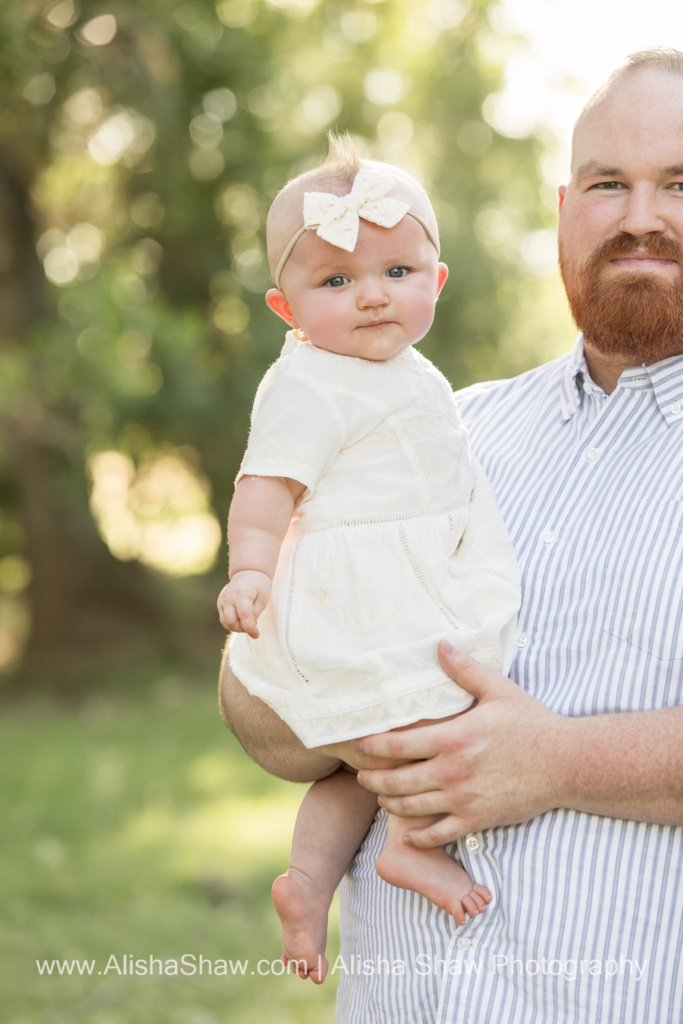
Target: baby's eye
x,y
337,281
397,272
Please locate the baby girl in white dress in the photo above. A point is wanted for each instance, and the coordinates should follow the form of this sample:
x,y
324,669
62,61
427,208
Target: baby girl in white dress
x,y
361,532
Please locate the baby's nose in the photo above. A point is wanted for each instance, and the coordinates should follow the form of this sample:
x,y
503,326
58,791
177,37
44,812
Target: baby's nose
x,y
372,293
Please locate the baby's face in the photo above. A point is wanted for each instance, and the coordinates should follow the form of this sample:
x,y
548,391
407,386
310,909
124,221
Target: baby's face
x,y
372,302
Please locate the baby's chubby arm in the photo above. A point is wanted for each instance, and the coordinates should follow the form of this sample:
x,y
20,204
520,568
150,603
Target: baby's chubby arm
x,y
260,514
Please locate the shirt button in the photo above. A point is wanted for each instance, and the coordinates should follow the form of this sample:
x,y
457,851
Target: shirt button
x,y
675,409
592,454
472,843
463,943
522,640
548,537
587,387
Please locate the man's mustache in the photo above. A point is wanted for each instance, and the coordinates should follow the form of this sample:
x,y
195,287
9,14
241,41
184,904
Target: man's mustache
x,y
623,245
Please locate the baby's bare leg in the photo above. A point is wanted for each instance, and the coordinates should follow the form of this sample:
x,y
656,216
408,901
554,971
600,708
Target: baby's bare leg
x,y
432,873
330,826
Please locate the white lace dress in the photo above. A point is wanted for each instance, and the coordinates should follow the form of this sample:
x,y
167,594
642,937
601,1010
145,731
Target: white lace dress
x,y
397,543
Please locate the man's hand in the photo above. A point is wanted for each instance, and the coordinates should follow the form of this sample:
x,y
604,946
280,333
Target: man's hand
x,y
241,602
500,763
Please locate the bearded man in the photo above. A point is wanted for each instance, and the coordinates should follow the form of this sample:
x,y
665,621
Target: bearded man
x,y
562,789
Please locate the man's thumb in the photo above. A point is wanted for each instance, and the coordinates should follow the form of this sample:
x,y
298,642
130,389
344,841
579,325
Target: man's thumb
x,y
477,679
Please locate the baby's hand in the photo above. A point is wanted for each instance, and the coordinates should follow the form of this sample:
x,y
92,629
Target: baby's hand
x,y
241,602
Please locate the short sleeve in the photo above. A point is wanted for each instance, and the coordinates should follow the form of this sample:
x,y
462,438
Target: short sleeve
x,y
297,429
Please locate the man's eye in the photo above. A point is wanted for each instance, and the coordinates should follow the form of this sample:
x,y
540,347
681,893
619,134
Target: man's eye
x,y
397,272
677,186
337,281
608,186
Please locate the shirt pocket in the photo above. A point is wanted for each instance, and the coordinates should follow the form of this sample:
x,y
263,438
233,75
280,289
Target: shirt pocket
x,y
647,609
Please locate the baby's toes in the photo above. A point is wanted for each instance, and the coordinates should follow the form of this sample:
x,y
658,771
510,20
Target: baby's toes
x,y
473,904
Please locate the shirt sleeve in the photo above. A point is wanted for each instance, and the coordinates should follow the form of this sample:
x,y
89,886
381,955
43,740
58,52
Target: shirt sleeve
x,y
297,429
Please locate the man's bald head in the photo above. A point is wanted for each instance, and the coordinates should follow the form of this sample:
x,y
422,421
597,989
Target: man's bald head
x,y
658,59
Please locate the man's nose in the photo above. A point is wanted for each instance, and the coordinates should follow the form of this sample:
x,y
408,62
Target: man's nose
x,y
643,214
372,293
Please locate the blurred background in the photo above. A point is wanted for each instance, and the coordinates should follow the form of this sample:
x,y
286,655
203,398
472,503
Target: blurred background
x,y
141,142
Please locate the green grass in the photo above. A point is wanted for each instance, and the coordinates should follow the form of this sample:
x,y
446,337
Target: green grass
x,y
138,827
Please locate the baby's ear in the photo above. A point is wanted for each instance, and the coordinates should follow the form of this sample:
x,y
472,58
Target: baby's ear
x,y
441,279
277,301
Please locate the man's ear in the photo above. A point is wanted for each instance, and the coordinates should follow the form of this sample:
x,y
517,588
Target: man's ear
x,y
441,280
277,301
561,192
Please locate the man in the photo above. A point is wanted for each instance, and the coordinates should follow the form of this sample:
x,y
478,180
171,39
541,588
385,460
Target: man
x,y
564,787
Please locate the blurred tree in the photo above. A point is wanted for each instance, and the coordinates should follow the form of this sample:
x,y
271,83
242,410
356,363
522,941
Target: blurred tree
x,y
140,146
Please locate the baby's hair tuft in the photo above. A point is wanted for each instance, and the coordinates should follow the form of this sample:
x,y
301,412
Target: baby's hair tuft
x,y
342,163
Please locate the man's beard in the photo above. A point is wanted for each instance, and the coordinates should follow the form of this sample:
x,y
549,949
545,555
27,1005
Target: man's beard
x,y
637,316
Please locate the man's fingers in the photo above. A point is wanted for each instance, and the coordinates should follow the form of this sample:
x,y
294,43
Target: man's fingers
x,y
417,806
409,745
347,752
447,830
396,782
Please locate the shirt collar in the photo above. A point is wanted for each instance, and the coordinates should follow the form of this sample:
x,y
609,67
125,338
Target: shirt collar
x,y
664,378
576,371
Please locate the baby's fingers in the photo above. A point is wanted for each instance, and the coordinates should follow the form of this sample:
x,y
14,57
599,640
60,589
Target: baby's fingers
x,y
237,615
246,617
229,618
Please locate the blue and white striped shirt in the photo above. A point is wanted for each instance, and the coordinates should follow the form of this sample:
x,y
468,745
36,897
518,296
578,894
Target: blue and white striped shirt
x,y
586,922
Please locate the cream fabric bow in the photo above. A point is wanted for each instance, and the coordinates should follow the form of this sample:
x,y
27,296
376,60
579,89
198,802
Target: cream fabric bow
x,y
336,218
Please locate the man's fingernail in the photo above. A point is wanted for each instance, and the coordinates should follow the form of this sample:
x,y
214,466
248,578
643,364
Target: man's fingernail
x,y
448,648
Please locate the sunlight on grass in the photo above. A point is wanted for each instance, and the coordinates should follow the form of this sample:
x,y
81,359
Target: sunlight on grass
x,y
136,828
234,835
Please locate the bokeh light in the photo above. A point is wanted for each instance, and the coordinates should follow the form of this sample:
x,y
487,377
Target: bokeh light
x,y
158,512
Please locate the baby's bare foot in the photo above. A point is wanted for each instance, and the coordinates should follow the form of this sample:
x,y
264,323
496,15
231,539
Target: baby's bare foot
x,y
302,909
433,874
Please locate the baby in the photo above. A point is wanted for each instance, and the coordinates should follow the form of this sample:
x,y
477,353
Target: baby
x,y
361,531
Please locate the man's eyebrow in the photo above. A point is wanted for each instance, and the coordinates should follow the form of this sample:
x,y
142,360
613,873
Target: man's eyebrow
x,y
592,169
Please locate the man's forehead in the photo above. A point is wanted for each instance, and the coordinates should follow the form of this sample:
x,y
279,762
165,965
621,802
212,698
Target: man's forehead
x,y
645,104
635,125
